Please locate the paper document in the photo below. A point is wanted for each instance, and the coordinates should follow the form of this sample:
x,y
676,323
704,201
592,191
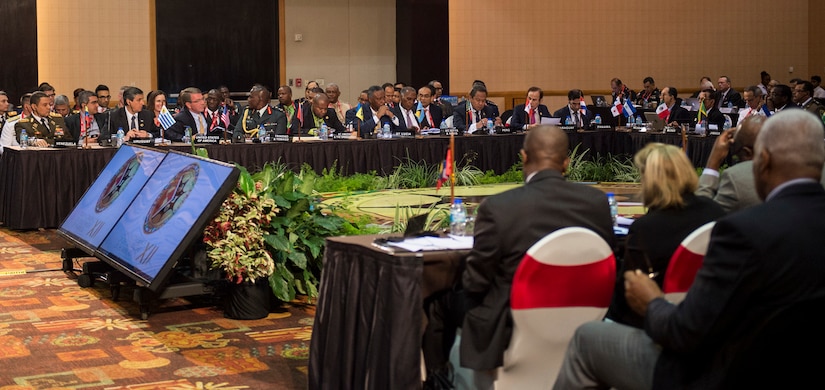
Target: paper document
x,y
435,243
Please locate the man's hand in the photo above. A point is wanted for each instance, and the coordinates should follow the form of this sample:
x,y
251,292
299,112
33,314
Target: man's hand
x,y
384,110
720,149
640,290
41,143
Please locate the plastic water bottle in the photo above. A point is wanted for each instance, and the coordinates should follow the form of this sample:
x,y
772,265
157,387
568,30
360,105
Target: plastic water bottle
x,y
24,139
568,121
727,124
443,126
120,136
491,126
187,135
261,132
458,218
614,207
598,119
639,121
323,132
385,131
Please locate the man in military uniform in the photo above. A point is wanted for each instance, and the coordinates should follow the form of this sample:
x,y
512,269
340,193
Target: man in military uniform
x,y
259,113
4,108
7,130
803,96
43,125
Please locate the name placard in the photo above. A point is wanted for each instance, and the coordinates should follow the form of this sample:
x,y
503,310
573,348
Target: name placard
x,y
64,144
451,131
567,127
714,132
604,127
142,141
670,129
403,134
279,138
207,139
503,130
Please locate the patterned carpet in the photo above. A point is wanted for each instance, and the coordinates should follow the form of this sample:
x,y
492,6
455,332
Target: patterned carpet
x,y
56,335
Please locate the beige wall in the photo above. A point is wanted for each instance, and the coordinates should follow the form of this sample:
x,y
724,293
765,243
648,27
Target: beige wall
x,y
562,45
71,53
340,43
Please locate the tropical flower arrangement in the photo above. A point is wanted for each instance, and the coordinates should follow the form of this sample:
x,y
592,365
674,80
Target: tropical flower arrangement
x,y
272,226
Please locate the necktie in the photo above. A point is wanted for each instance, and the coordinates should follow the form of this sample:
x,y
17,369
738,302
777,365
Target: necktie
x,y
134,122
429,118
410,121
532,116
201,125
214,119
43,121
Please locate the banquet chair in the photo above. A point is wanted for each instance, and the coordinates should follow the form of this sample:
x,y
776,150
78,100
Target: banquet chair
x,y
685,262
564,280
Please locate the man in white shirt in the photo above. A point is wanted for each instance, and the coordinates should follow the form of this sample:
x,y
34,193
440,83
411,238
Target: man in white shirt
x,y
819,92
333,92
753,98
8,136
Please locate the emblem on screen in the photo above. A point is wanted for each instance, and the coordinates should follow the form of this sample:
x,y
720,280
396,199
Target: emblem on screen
x,y
171,198
118,182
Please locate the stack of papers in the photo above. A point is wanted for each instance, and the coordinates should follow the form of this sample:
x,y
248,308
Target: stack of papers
x,y
435,243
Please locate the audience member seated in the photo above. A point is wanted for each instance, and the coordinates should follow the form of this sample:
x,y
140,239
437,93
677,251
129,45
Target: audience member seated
x,y
155,101
668,181
334,93
62,105
504,233
650,96
103,97
733,189
676,114
88,113
314,115
219,123
704,83
765,79
521,119
374,115
430,115
711,115
259,113
357,111
43,126
287,105
728,97
191,115
573,110
803,97
754,100
621,92
472,115
819,92
446,107
309,93
405,110
780,98
9,136
760,261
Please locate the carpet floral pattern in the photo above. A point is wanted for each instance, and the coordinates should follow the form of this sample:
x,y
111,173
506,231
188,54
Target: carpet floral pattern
x,y
57,335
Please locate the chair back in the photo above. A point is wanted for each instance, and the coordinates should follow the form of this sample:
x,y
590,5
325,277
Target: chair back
x,y
564,280
685,262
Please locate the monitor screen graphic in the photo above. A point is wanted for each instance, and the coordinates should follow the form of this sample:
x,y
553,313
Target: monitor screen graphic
x,y
101,206
168,213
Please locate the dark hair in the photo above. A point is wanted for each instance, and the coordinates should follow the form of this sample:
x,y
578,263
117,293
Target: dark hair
x,y
807,86
816,78
712,94
534,89
44,86
25,99
372,90
150,100
385,85
648,79
616,81
782,90
574,94
431,88
83,97
286,87
763,73
36,97
131,92
673,92
477,89
101,87
77,92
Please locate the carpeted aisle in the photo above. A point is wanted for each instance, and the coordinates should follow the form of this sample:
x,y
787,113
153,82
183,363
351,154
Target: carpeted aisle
x,y
54,334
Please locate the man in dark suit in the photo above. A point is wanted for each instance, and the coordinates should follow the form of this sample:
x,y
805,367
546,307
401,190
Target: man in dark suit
x,y
132,118
287,105
713,117
94,121
315,114
191,115
219,117
405,110
374,115
446,107
259,113
503,234
579,119
676,114
471,116
728,97
521,120
430,114
781,98
760,261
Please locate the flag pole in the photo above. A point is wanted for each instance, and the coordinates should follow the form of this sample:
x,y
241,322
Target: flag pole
x,y
452,164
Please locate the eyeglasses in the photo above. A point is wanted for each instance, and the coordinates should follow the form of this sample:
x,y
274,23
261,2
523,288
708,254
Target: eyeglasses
x,y
103,96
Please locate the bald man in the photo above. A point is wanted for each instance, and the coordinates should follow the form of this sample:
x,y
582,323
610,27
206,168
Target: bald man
x,y
760,262
316,114
507,225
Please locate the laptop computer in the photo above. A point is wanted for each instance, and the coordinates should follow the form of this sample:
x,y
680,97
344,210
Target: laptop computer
x,y
598,100
653,118
691,104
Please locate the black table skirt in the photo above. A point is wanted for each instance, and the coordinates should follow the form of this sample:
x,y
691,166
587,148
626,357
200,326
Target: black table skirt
x,y
40,187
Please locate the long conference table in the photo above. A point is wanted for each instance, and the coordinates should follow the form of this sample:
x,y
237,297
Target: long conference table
x,y
40,186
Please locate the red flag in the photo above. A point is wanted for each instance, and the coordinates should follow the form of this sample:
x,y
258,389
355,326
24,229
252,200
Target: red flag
x,y
446,170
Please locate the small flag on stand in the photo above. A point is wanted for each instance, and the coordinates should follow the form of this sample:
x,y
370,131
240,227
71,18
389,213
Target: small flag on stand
x,y
165,118
446,170
662,111
703,112
629,108
616,110
225,116
583,106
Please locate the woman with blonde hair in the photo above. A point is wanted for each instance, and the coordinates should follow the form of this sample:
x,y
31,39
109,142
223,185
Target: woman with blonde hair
x,y
668,183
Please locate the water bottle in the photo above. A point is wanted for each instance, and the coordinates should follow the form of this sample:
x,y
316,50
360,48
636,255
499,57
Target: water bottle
x,y
443,126
568,121
261,132
727,124
120,136
187,135
598,119
458,218
24,139
323,132
385,131
614,207
491,126
639,121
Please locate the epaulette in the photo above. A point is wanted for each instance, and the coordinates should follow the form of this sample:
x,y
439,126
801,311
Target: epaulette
x,y
25,120
11,114
279,108
75,111
55,115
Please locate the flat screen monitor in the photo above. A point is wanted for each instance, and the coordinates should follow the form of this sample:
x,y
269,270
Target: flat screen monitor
x,y
116,186
166,216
